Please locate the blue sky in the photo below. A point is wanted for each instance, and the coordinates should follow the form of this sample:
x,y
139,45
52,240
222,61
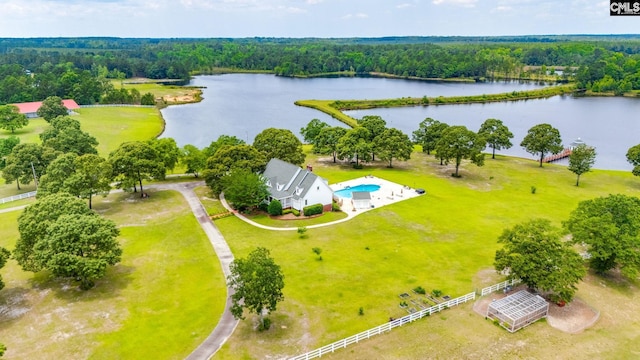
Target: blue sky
x,y
308,18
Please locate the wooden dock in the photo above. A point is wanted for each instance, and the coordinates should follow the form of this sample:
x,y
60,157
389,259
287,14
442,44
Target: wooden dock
x,y
559,156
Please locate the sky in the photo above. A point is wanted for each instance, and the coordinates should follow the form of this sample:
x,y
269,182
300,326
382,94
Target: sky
x,y
308,18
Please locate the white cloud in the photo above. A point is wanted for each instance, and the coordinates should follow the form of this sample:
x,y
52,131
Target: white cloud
x,y
464,3
358,16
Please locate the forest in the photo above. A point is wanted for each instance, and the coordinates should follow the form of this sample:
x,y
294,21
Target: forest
x,y
81,68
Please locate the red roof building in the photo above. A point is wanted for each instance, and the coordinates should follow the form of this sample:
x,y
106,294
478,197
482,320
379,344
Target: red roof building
x,y
31,108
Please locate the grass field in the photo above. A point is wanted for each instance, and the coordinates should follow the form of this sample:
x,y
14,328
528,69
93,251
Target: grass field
x,y
161,301
445,240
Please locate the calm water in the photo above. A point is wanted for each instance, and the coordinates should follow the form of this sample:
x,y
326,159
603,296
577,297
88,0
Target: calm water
x,y
245,104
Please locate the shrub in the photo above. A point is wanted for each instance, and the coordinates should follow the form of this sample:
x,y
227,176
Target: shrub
x,y
295,212
264,206
266,324
533,189
436,292
287,211
275,208
361,311
302,231
335,207
312,209
420,290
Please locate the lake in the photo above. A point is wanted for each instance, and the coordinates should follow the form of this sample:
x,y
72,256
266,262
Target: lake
x,y
245,104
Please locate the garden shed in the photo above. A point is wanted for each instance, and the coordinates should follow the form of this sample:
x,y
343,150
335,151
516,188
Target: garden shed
x,y
518,310
361,199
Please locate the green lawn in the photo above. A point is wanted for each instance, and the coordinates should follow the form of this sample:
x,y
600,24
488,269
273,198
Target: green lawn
x,y
114,125
442,240
111,126
161,301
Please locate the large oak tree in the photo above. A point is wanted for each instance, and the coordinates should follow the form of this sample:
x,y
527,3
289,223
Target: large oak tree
x,y
257,282
280,144
542,139
534,252
458,143
610,227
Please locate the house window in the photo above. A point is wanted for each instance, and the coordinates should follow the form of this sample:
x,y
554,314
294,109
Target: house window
x,y
305,202
318,188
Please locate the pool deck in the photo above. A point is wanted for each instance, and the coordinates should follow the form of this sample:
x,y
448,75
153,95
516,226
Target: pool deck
x,y
388,193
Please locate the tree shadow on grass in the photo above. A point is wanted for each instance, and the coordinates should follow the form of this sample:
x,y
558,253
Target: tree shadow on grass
x,y
118,278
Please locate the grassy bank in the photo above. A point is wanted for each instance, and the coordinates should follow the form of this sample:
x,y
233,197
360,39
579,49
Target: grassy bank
x,y
334,108
444,240
160,302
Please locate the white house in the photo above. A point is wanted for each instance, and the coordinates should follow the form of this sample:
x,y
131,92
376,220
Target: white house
x,y
296,187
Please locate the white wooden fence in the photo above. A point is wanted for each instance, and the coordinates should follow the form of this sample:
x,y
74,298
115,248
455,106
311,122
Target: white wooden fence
x,y
384,328
117,105
496,287
18,197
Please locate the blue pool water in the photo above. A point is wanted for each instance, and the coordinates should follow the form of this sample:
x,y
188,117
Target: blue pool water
x,y
346,192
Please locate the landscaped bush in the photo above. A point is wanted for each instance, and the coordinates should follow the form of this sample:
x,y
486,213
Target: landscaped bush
x,y
295,212
263,206
335,207
275,208
312,209
419,290
287,211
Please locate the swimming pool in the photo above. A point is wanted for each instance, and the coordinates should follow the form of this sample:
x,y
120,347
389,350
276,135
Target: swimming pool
x,y
346,192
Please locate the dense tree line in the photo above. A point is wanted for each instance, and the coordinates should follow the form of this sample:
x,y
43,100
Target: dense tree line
x,y
33,69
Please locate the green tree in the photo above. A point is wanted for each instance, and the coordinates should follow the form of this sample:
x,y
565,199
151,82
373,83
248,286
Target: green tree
x,y
376,126
257,282
229,158
633,157
65,135
311,131
457,143
542,139
4,256
428,134
34,222
193,159
280,144
82,176
355,142
79,247
393,144
133,162
534,252
244,189
327,141
167,150
581,160
51,108
147,99
496,134
11,119
610,227
219,143
6,146
26,161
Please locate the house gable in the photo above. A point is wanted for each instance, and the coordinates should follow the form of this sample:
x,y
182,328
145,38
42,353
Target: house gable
x,y
296,187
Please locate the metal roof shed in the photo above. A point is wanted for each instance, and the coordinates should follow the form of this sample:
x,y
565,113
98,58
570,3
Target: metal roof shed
x,y
518,310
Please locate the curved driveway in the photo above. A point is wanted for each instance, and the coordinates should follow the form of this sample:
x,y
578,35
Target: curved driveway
x,y
227,323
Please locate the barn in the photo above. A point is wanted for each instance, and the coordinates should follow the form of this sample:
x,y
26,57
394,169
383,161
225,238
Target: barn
x,y
518,310
30,109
